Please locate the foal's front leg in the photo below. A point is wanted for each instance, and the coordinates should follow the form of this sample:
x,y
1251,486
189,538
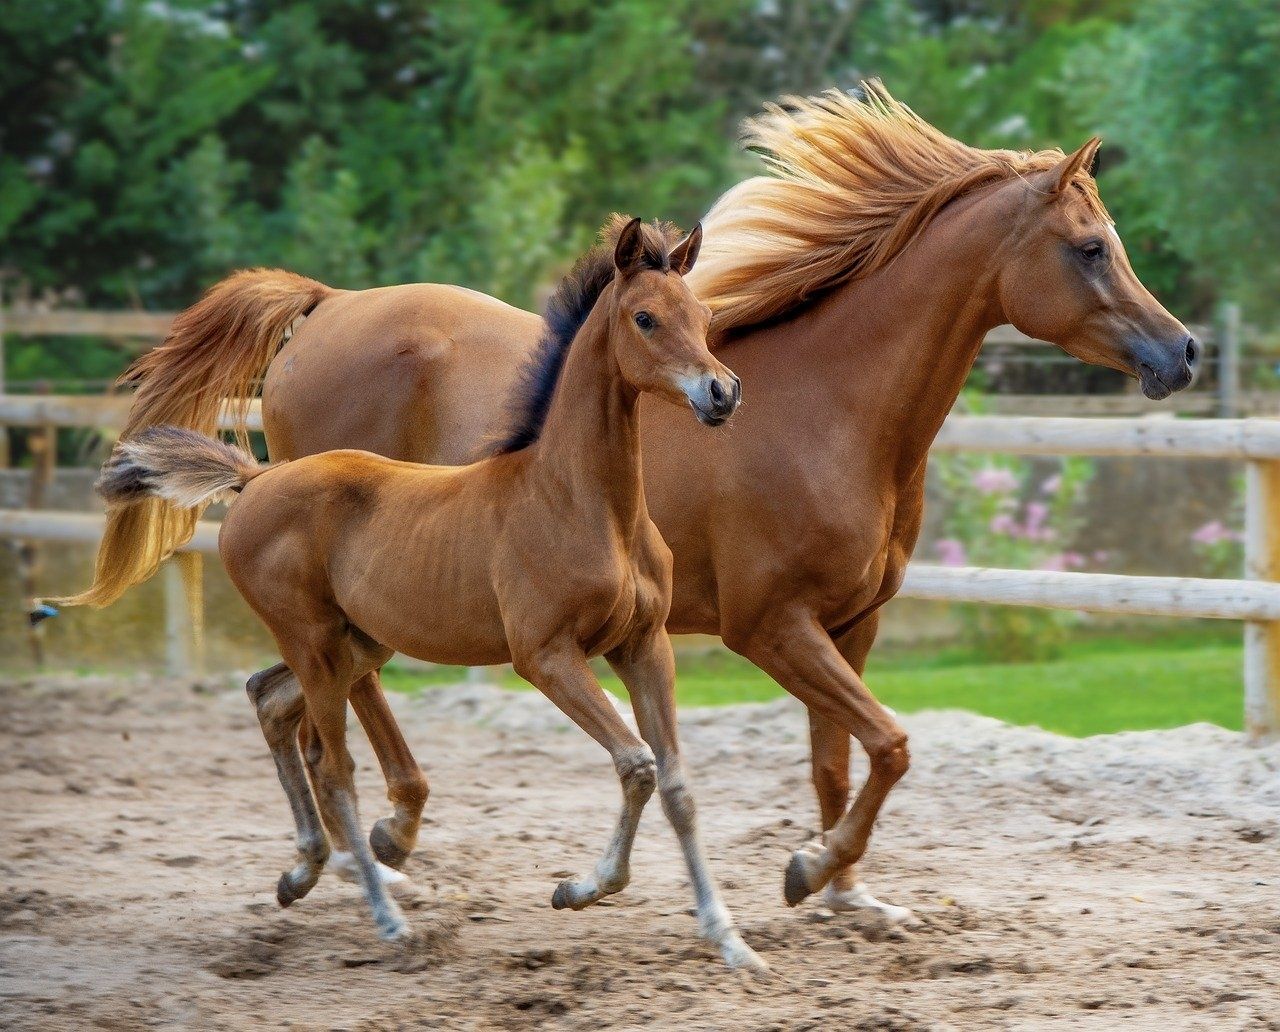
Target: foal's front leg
x,y
562,674
648,670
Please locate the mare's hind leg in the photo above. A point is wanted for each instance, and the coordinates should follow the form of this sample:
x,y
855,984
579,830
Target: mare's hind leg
x,y
277,697
648,671
563,676
830,752
324,671
394,837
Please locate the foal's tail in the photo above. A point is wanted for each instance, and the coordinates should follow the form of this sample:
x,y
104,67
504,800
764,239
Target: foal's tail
x,y
182,467
211,358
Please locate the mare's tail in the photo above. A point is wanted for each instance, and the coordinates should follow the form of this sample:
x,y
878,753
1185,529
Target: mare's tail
x,y
211,358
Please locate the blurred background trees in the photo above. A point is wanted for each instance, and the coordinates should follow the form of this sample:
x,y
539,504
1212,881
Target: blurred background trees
x,y
147,147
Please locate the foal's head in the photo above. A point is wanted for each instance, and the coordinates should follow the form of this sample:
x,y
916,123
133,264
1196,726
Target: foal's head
x,y
1066,279
658,329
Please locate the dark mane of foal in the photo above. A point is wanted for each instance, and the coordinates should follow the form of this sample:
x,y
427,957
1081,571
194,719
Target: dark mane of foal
x,y
565,313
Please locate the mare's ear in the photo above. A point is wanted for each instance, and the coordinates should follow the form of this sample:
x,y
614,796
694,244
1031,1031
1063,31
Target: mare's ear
x,y
1073,164
685,253
628,255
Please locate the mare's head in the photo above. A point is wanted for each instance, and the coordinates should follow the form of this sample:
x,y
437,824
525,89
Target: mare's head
x,y
658,329
859,178
1067,279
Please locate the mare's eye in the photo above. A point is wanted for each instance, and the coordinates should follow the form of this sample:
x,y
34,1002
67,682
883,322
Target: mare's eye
x,y
1093,251
645,321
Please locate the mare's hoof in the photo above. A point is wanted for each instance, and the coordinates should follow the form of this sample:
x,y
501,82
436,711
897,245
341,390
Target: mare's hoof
x,y
560,898
385,848
795,884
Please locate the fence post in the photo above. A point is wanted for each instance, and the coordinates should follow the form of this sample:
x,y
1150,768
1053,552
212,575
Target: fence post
x,y
1229,361
4,430
177,621
1262,562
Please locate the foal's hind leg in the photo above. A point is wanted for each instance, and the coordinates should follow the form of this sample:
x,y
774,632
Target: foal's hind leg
x,y
648,671
326,679
563,676
277,697
342,861
394,837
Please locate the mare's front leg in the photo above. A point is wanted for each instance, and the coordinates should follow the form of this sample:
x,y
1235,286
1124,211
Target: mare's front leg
x,y
647,668
277,697
830,754
561,672
795,650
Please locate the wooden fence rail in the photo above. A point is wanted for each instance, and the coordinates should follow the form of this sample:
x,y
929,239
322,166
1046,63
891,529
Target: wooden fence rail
x,y
1255,600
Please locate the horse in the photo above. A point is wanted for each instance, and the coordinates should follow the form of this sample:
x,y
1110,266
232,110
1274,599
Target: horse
x,y
541,554
851,285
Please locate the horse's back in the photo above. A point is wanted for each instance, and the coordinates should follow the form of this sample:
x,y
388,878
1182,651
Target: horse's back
x,y
417,372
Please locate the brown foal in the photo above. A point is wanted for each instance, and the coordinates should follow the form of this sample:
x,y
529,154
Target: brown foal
x,y
542,555
852,289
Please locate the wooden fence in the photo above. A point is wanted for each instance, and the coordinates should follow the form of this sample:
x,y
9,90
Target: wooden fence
x,y
1256,442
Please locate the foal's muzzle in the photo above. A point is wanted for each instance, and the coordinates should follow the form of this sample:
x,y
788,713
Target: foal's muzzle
x,y
713,398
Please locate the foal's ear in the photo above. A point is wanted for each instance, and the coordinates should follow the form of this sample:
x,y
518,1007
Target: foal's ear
x,y
1073,164
685,253
628,254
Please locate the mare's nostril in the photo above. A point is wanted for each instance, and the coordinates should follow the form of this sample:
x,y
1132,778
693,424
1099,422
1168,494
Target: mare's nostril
x,y
717,394
1193,352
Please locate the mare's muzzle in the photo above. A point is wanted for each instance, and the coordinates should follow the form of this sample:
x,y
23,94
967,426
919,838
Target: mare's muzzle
x,y
1165,367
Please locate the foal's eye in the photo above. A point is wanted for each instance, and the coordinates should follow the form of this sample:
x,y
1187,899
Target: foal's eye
x,y
1093,251
645,321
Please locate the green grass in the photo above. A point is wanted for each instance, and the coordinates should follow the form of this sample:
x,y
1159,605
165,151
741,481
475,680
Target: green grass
x,y
1141,678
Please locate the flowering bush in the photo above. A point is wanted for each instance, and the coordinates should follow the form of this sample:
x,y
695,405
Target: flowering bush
x,y
1002,515
1221,548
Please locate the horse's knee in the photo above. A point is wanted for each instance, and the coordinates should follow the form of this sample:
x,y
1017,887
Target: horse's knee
x,y
890,758
638,772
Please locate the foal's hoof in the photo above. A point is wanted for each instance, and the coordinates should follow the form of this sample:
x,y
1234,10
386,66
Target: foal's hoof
x,y
286,894
562,898
384,847
795,886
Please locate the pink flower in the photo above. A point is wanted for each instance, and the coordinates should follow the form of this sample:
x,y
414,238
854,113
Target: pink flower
x,y
1055,563
1003,523
1211,533
1051,486
1072,560
951,552
1037,512
1101,556
994,480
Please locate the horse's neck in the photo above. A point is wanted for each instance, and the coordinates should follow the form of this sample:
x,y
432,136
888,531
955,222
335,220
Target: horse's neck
x,y
590,442
883,359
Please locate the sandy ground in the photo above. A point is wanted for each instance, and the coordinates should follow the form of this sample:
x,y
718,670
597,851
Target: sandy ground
x,y
1130,881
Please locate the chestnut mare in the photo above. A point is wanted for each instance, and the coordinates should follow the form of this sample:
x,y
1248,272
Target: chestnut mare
x,y
542,555
852,289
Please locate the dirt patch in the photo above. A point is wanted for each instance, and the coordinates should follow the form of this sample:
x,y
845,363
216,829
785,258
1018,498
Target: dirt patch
x,y
1126,881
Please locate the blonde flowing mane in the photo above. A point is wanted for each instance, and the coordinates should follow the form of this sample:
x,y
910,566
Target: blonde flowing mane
x,y
854,181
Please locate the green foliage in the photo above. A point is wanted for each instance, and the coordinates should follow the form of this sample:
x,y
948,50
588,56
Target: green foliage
x,y
478,143
147,147
1192,92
